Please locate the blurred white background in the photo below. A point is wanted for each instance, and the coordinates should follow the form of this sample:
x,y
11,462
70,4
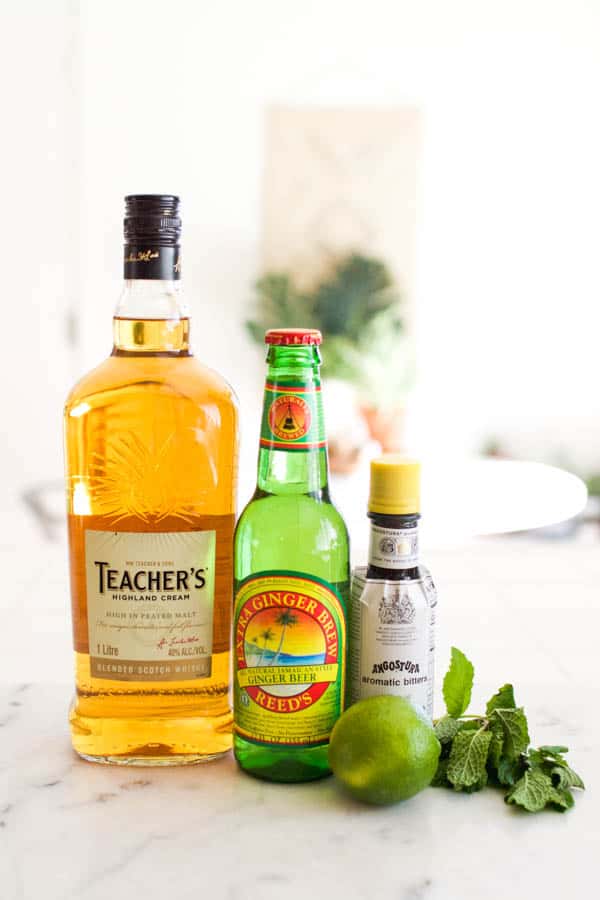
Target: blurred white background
x,y
103,99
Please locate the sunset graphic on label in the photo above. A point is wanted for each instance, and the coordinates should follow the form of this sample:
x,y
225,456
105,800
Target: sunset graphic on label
x,y
289,643
289,417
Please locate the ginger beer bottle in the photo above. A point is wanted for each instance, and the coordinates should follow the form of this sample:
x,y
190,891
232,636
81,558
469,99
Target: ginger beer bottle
x,y
291,572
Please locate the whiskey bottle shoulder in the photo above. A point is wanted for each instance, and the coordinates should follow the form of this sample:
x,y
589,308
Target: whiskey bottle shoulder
x,y
88,385
125,377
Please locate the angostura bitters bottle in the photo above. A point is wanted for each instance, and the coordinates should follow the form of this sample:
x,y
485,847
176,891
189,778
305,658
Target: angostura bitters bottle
x,y
291,571
151,458
393,601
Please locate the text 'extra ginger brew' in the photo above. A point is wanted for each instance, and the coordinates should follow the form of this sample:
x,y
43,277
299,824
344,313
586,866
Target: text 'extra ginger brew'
x,y
151,460
291,571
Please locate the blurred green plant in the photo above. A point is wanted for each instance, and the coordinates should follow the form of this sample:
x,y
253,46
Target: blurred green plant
x,y
593,484
358,309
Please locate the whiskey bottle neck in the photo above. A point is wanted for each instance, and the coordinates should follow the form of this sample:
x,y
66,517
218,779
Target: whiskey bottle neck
x,y
151,318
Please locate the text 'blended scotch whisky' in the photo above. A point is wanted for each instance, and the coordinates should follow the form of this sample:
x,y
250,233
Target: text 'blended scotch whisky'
x,y
151,461
291,572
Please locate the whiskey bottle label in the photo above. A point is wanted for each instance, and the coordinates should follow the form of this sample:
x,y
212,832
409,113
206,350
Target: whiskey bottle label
x,y
290,643
392,638
150,600
152,262
292,416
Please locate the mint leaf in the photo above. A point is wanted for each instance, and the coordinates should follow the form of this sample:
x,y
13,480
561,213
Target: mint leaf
x,y
473,724
509,771
447,728
504,698
547,755
441,776
561,800
556,752
563,777
458,683
552,762
514,727
497,742
466,765
533,791
537,758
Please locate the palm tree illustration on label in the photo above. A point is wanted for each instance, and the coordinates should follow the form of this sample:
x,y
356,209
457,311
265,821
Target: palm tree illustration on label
x,y
286,619
267,635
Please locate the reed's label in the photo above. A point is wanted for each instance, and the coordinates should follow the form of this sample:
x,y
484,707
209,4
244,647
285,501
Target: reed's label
x,y
292,416
290,644
150,599
392,638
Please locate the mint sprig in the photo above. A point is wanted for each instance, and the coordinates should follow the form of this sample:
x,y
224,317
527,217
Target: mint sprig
x,y
495,747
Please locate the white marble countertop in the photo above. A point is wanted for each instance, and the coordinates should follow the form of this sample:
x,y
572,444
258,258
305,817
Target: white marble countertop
x,y
523,611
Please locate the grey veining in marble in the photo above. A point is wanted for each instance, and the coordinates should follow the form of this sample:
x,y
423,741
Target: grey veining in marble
x,y
69,829
522,611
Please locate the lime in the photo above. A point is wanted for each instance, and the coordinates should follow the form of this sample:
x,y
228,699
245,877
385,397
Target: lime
x,y
384,749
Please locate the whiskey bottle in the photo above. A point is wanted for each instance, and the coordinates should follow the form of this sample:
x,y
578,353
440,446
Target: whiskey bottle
x,y
393,600
151,460
291,571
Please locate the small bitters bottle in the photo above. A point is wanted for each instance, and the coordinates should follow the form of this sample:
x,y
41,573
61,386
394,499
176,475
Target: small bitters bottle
x,y
393,600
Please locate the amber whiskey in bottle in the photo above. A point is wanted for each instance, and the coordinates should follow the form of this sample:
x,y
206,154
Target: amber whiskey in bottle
x,y
151,461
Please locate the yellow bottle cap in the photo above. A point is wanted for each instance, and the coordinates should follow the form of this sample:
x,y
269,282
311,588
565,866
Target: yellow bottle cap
x,y
395,482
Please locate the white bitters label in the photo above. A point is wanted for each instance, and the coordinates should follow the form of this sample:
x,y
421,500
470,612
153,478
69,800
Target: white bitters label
x,y
150,599
394,548
392,638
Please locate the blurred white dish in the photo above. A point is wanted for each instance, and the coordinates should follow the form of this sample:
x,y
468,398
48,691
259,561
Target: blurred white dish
x,y
467,498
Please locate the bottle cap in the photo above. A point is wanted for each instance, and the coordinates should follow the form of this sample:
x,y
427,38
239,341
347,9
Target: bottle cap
x,y
152,218
289,337
395,485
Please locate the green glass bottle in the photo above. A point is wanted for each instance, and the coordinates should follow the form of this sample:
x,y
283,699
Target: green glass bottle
x,y
292,576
